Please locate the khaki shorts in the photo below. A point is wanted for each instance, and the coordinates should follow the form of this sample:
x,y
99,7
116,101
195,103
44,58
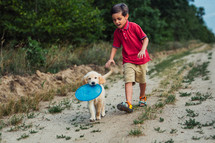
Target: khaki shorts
x,y
135,73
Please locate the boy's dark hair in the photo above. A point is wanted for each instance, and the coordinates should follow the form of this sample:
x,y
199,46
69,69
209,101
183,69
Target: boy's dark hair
x,y
121,7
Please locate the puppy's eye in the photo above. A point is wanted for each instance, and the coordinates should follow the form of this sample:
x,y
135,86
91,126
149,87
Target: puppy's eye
x,y
95,77
89,78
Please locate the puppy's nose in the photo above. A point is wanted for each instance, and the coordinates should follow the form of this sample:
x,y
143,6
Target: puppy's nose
x,y
93,83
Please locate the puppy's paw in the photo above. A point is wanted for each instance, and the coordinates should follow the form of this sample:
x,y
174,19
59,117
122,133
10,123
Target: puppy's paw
x,y
98,117
92,119
103,114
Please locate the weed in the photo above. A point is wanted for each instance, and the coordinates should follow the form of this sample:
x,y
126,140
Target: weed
x,y
173,131
185,94
138,122
158,129
169,141
201,97
213,137
135,132
55,109
23,136
190,124
2,124
63,136
196,138
159,105
200,132
81,136
67,128
149,113
77,130
170,99
161,119
208,124
60,107
191,113
95,131
198,70
14,120
31,115
33,132
192,103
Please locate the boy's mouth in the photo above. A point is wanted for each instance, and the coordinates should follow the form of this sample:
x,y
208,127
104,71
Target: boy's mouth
x,y
118,25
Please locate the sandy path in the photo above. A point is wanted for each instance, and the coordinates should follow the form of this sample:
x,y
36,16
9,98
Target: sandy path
x,y
116,125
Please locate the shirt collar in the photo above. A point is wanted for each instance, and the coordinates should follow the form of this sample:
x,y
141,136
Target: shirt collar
x,y
126,26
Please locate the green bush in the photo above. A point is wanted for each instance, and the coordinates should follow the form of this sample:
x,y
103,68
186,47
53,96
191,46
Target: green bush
x,y
35,54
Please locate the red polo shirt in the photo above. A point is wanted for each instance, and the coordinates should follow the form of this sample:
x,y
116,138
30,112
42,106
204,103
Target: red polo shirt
x,y
130,37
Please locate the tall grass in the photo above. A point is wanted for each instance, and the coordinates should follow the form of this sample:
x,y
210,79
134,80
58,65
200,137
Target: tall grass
x,y
57,57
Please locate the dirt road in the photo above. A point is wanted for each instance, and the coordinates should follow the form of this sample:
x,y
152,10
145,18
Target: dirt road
x,y
190,118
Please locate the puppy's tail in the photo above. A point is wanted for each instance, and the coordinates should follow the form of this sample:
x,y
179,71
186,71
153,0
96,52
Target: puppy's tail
x,y
108,74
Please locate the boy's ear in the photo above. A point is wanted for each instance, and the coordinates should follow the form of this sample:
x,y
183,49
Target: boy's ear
x,y
101,80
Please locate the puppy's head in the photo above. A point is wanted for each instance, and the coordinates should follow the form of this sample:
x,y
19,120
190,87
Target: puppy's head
x,y
93,78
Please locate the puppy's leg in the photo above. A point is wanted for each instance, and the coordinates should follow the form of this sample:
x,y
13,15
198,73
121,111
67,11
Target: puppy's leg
x,y
103,109
98,110
92,111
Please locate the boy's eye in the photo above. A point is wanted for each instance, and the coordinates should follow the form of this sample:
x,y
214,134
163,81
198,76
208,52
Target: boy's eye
x,y
119,18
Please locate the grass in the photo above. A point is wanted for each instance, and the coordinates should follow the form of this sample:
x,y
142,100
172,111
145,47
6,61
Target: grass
x,y
199,70
191,123
158,129
196,138
95,131
135,132
161,119
63,137
191,113
60,107
23,136
173,131
170,99
184,94
15,120
198,99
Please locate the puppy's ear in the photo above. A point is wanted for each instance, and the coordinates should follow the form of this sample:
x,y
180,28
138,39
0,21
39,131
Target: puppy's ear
x,y
84,80
101,80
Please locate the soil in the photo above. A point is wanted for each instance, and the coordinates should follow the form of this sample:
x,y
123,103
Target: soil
x,y
73,124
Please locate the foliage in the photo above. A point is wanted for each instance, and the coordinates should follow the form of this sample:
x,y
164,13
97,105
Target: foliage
x,y
74,20
76,23
35,54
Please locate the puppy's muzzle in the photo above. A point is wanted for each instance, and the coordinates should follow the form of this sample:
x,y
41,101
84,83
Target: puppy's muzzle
x,y
93,83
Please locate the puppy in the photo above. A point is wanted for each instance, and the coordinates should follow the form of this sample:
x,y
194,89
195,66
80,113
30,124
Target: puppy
x,y
97,105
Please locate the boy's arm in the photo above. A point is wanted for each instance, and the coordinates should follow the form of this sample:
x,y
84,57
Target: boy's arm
x,y
111,60
144,47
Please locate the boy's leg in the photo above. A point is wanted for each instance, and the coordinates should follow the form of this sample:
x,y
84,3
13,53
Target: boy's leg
x,y
128,91
142,94
129,75
142,90
127,106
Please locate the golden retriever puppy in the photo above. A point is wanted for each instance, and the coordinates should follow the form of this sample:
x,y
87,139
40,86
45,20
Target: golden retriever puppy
x,y
97,105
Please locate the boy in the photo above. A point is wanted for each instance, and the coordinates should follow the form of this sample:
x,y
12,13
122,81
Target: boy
x,y
134,52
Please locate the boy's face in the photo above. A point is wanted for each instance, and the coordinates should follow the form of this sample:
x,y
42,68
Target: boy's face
x,y
119,20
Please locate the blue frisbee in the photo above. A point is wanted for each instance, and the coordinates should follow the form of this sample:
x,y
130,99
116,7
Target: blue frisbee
x,y
87,92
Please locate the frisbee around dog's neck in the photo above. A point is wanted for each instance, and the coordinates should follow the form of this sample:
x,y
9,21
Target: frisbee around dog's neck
x,y
88,92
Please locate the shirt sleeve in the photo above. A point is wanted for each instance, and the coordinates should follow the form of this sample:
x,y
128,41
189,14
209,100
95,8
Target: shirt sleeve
x,y
140,34
116,40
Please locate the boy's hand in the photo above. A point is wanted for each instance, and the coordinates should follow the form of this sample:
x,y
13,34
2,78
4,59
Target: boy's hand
x,y
141,54
107,65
